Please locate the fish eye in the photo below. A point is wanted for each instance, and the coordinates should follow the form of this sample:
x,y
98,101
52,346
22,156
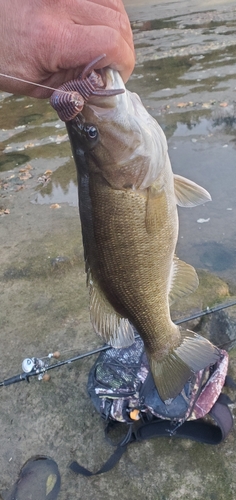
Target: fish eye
x,y
91,132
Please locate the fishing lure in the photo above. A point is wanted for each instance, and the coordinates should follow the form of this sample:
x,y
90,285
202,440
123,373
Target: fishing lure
x,y
68,100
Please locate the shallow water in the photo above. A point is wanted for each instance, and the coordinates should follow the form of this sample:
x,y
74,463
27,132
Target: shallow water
x,y
186,76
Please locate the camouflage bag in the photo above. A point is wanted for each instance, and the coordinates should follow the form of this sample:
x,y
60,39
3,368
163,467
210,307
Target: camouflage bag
x,y
122,389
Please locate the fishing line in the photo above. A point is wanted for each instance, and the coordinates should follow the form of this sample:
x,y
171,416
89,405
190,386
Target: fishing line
x,y
33,83
36,366
206,311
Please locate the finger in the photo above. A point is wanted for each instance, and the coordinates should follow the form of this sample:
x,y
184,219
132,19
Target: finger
x,y
91,13
102,40
111,4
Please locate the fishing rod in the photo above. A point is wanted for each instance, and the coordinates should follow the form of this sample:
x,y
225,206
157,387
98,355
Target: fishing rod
x,y
40,366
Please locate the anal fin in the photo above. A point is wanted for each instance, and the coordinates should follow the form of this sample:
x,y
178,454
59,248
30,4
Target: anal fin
x,y
184,280
193,354
113,328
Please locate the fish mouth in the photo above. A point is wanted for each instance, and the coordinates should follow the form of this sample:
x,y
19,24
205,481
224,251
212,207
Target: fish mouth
x,y
112,81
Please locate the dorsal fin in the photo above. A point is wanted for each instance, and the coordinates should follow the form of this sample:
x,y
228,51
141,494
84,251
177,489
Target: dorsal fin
x,y
184,280
188,193
114,329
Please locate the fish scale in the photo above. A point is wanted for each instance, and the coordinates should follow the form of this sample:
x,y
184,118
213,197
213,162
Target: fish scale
x,y
127,263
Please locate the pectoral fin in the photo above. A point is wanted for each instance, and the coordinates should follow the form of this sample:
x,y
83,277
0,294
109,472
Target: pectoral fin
x,y
155,207
184,280
188,193
194,354
114,329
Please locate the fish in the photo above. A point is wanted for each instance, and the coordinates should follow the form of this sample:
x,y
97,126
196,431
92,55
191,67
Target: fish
x,y
128,197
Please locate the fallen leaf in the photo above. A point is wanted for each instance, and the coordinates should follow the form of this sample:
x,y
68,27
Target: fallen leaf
x,y
223,104
182,104
206,105
29,145
25,176
55,205
48,173
19,188
4,211
51,481
43,179
61,138
25,169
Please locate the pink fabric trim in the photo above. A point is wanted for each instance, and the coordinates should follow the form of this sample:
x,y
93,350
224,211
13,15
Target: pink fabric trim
x,y
212,389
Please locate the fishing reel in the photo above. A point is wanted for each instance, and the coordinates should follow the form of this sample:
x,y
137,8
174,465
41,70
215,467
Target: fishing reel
x,y
39,366
35,366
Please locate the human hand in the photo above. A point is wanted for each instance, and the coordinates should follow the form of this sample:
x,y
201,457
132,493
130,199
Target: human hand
x,y
48,42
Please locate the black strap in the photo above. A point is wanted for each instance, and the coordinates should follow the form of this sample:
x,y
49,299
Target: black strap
x,y
196,430
110,463
222,415
229,382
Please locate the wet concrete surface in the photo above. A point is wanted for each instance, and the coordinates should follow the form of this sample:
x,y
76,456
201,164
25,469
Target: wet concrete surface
x,y
186,76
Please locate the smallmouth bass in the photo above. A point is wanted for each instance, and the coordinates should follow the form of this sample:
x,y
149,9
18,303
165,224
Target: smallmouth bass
x,y
127,200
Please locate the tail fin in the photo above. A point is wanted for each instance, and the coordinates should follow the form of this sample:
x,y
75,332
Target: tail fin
x,y
192,355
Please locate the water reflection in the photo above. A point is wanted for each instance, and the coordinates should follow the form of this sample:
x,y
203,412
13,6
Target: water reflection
x,y
223,119
58,195
61,189
216,257
168,77
12,160
31,126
